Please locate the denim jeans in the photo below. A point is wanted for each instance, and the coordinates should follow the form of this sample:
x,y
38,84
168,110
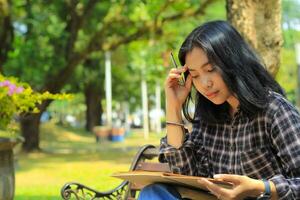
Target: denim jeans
x,y
159,192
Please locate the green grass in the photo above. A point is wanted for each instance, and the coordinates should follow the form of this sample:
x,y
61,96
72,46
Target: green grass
x,y
72,155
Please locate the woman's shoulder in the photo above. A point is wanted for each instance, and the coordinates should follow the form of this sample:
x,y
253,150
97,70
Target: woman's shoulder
x,y
278,102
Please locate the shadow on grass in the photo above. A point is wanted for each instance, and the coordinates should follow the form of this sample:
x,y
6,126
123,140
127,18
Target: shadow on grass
x,y
62,145
73,155
42,159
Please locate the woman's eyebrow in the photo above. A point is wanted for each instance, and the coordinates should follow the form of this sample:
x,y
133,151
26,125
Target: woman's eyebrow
x,y
203,65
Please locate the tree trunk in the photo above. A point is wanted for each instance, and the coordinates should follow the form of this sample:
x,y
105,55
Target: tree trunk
x,y
6,32
93,106
30,127
260,24
30,131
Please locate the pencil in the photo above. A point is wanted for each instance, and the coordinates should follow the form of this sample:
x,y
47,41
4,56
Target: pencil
x,y
181,79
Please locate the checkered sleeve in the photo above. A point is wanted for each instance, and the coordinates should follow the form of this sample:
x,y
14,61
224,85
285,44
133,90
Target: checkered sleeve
x,y
187,159
285,136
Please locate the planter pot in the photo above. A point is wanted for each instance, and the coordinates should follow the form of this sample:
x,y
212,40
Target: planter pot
x,y
7,171
118,131
102,131
117,134
117,138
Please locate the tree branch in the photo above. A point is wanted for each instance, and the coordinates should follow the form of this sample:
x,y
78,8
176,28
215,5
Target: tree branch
x,y
125,40
98,43
75,23
29,14
72,28
147,28
55,84
88,8
163,8
157,23
189,13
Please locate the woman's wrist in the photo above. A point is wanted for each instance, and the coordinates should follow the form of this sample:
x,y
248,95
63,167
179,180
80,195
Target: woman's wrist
x,y
259,188
175,133
175,124
274,195
173,114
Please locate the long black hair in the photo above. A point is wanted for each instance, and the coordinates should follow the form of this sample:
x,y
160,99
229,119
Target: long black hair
x,y
241,69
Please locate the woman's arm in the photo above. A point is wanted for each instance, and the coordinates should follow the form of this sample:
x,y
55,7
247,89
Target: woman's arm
x,y
175,133
175,96
285,138
177,148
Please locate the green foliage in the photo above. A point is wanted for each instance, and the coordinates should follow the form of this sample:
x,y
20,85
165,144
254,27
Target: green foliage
x,y
59,109
3,9
17,97
149,58
287,74
38,42
291,37
290,22
43,32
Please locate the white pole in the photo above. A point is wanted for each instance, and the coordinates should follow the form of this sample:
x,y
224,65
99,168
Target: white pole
x,y
145,108
297,47
126,115
108,89
158,108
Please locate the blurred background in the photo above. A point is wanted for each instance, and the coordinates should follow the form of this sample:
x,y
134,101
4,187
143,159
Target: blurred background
x,y
113,57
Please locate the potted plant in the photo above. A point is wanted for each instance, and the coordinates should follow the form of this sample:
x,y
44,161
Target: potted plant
x,y
15,98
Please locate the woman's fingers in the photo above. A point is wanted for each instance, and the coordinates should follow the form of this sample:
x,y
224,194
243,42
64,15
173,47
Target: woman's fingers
x,y
178,70
213,188
177,73
173,75
235,179
173,78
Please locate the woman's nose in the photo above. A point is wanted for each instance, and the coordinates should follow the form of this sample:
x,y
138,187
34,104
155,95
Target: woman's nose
x,y
206,82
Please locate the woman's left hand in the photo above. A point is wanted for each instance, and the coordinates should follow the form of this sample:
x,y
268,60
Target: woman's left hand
x,y
243,187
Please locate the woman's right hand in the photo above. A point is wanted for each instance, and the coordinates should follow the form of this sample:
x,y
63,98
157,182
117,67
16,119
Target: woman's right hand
x,y
175,93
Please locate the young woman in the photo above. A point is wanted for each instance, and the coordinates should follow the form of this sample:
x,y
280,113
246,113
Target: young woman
x,y
244,130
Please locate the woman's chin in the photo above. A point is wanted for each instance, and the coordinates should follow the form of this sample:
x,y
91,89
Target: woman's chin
x,y
217,102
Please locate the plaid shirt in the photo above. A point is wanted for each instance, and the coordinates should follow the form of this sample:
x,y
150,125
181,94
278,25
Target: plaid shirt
x,y
267,146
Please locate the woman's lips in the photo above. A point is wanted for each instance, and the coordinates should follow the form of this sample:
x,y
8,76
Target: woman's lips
x,y
212,94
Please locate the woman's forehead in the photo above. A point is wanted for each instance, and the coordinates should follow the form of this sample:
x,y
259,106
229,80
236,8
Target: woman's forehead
x,y
196,59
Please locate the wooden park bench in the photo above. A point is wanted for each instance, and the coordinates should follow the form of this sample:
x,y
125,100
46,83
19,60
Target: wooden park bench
x,y
124,191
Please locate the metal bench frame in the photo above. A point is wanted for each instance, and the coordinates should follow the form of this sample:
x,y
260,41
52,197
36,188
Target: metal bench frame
x,y
124,191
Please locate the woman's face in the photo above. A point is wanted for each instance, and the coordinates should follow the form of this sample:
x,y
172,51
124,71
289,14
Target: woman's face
x,y
207,78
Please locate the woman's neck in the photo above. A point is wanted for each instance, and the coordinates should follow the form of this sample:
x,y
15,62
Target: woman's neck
x,y
234,104
232,111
